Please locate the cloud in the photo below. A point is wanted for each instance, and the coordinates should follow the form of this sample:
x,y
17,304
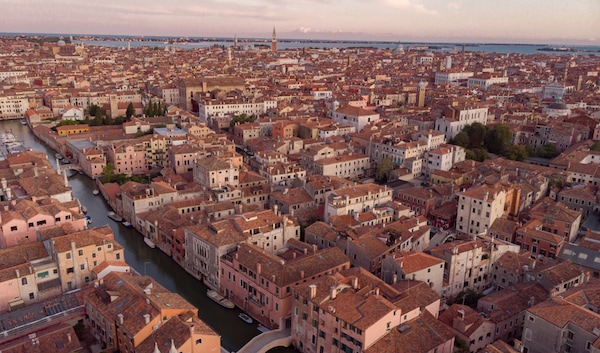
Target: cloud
x,y
304,29
454,6
414,5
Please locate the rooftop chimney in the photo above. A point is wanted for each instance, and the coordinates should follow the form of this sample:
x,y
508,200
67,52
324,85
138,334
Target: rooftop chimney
x,y
147,318
355,282
333,292
313,291
120,318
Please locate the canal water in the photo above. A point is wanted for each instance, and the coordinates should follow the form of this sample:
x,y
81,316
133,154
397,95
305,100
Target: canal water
x,y
152,262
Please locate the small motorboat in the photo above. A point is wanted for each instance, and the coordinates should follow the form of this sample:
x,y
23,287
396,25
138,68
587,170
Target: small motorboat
x,y
83,209
23,122
126,224
246,318
95,192
219,299
88,219
115,217
150,243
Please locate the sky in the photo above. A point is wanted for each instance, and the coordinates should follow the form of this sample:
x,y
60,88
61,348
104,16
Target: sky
x,y
470,21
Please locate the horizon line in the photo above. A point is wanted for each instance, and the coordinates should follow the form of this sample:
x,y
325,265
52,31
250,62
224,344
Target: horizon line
x,y
227,39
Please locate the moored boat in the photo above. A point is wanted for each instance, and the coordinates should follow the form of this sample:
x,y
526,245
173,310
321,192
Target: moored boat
x,y
126,224
95,192
219,299
150,243
115,217
246,318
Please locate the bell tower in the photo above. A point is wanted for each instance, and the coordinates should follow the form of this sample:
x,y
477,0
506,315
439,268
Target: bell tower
x,y
274,41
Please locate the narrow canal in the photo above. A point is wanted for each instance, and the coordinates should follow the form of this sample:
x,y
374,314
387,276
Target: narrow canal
x,y
152,262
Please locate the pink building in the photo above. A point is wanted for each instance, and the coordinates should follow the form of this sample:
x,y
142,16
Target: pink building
x,y
128,159
260,282
181,157
21,222
354,311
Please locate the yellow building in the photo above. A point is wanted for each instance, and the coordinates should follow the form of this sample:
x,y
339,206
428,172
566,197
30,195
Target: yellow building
x,y
67,130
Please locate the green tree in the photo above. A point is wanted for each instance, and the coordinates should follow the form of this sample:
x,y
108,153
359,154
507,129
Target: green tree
x,y
478,154
241,119
461,139
384,168
94,109
548,151
596,146
130,110
65,122
498,139
517,153
476,132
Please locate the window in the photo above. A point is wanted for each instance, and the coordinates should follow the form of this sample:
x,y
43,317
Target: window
x,y
70,270
24,281
13,228
80,252
199,340
31,296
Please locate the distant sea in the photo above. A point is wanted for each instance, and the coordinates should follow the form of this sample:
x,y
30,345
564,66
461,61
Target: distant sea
x,y
197,42
433,47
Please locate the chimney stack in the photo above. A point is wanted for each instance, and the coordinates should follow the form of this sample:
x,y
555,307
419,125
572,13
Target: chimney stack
x,y
147,318
313,291
333,292
355,282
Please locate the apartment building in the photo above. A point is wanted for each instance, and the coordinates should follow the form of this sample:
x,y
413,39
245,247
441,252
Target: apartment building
x,y
182,157
478,208
469,326
13,106
215,107
556,218
485,80
355,116
351,165
261,282
457,116
355,199
443,158
506,308
128,158
135,313
329,315
77,254
416,266
468,264
215,172
451,76
22,221
205,244
190,89
557,325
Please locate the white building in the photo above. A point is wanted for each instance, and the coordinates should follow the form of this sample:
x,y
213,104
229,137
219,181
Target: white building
x,y
443,158
13,107
451,76
484,81
355,199
458,116
349,165
355,116
210,108
478,208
